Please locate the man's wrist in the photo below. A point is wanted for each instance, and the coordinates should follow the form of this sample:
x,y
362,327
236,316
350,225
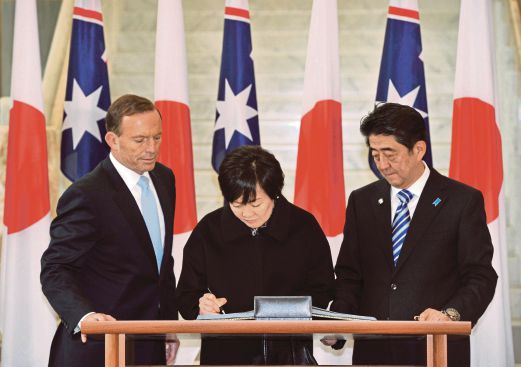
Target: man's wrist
x,y
77,329
452,314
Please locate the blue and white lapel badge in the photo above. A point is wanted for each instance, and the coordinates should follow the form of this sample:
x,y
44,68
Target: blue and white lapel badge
x,y
436,202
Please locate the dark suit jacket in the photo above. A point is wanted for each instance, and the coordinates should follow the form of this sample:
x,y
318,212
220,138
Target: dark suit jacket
x,y
101,259
289,257
444,262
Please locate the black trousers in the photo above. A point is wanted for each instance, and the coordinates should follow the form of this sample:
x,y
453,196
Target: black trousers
x,y
408,351
257,350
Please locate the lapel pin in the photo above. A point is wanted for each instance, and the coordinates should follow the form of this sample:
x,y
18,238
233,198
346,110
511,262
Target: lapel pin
x,y
436,202
380,201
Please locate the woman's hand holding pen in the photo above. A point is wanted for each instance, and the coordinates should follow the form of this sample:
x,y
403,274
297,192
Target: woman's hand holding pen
x,y
208,303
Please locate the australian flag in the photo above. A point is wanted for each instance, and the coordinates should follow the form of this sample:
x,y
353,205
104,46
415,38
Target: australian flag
x,y
402,75
87,96
236,121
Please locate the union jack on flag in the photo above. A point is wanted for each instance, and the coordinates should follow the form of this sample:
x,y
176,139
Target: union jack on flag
x,y
402,75
87,95
236,121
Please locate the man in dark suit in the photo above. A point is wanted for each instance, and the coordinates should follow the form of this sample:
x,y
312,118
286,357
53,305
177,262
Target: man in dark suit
x,y
416,244
111,242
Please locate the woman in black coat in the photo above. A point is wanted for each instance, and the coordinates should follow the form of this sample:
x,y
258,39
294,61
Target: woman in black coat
x,y
258,244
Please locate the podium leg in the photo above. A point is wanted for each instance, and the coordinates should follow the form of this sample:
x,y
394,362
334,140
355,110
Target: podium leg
x,y
121,350
436,350
112,350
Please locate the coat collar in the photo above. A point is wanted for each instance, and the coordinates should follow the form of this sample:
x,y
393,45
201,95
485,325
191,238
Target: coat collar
x,y
425,212
431,202
381,205
130,210
278,224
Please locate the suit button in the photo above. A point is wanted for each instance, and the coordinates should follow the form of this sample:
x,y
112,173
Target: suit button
x,y
394,287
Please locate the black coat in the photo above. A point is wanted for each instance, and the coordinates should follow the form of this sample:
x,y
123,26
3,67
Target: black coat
x,y
444,262
101,259
289,257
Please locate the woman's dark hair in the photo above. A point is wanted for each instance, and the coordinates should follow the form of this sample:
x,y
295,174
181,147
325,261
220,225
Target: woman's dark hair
x,y
402,122
246,166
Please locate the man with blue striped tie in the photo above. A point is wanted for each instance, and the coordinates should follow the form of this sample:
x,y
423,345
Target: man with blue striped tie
x,y
416,244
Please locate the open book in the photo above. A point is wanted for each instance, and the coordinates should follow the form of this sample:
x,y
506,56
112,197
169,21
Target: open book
x,y
316,313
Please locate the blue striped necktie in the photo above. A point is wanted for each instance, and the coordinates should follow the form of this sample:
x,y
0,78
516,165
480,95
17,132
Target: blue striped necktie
x,y
149,211
401,222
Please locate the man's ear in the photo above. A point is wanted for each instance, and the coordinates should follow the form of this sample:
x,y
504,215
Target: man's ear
x,y
420,148
112,140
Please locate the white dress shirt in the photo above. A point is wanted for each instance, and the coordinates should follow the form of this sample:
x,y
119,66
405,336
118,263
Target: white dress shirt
x,y
416,189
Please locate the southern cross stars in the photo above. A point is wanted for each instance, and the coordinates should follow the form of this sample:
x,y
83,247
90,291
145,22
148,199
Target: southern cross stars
x,y
234,113
82,114
407,99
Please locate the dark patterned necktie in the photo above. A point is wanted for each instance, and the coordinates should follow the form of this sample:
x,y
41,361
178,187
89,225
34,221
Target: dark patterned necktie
x,y
401,222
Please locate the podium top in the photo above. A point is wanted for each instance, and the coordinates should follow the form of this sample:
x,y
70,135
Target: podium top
x,y
278,327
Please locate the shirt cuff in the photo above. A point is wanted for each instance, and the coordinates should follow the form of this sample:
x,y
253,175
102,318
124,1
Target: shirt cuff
x,y
77,329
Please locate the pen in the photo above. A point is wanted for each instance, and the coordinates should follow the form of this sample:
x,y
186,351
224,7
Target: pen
x,y
220,308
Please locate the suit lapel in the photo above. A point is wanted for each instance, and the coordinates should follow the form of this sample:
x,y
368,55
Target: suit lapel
x,y
431,202
130,210
168,215
381,205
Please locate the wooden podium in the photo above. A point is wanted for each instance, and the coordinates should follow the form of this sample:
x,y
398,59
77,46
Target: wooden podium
x,y
436,332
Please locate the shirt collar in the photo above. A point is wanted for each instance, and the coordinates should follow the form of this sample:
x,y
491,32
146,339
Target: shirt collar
x,y
417,187
130,177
